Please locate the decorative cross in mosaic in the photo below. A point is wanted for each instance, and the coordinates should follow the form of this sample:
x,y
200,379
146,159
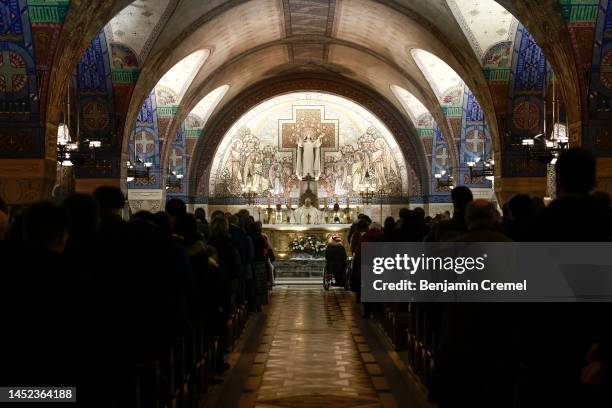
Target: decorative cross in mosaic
x,y
526,116
474,140
442,157
95,115
308,119
176,159
605,70
144,143
13,70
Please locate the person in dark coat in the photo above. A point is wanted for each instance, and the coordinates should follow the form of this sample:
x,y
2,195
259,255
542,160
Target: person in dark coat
x,y
474,354
40,300
449,229
230,265
335,258
259,265
482,222
566,333
361,227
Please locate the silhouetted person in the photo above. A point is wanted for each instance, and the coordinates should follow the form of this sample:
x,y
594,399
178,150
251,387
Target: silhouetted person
x,y
603,198
259,264
388,228
111,202
482,222
176,208
40,343
202,223
373,234
84,224
335,259
5,252
564,333
411,227
244,244
360,227
353,227
472,360
520,218
575,215
4,220
230,265
449,229
207,280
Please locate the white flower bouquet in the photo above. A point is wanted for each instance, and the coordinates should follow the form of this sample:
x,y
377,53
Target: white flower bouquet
x,y
308,245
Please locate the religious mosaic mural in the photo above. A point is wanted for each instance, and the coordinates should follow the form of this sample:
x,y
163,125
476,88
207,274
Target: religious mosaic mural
x,y
525,107
292,137
599,136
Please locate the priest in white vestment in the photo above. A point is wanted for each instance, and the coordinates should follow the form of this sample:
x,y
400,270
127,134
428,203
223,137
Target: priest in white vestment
x,y
307,214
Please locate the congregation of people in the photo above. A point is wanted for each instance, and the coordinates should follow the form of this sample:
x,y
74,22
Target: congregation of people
x,y
90,300
508,355
88,296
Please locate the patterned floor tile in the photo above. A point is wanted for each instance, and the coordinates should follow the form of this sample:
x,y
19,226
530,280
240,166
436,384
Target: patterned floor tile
x,y
310,354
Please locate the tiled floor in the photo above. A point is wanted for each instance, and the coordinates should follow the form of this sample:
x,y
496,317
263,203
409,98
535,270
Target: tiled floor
x,y
312,353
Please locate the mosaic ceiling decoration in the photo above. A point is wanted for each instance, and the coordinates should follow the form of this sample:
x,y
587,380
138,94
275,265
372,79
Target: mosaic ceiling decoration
x,y
411,104
134,25
484,23
440,76
172,86
263,144
202,111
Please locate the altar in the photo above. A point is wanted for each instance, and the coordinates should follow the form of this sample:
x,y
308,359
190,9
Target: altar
x,y
281,236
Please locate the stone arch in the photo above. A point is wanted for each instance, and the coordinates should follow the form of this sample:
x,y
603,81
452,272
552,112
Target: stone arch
x,y
403,131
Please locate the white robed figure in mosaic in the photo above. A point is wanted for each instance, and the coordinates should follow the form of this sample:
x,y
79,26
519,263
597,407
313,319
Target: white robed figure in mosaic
x,y
309,155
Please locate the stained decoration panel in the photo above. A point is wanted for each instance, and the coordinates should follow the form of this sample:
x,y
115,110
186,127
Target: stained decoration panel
x,y
19,93
525,106
264,145
144,145
476,142
96,105
601,84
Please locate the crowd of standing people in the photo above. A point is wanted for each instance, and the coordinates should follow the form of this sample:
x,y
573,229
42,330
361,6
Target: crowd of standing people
x,y
506,355
86,295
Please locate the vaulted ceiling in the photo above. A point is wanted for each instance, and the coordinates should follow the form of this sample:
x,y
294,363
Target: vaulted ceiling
x,y
371,42
201,56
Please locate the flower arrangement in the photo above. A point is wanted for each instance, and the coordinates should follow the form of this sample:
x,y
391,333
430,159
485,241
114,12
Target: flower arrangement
x,y
308,245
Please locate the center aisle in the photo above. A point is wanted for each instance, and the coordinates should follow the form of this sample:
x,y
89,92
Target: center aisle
x,y
312,353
